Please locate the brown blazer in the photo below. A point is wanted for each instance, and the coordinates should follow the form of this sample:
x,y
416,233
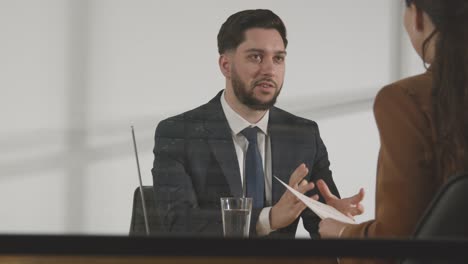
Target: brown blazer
x,y
406,172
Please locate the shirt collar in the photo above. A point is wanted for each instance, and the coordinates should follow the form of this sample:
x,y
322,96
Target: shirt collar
x,y
237,123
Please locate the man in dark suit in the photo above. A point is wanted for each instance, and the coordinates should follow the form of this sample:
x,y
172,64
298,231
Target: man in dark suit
x,y
204,154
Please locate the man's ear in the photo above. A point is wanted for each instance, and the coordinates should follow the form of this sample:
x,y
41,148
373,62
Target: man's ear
x,y
225,65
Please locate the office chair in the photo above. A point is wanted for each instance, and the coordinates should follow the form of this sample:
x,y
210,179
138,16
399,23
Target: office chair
x,y
137,225
446,216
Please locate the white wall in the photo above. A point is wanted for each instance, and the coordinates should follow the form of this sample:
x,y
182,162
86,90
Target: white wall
x,y
75,74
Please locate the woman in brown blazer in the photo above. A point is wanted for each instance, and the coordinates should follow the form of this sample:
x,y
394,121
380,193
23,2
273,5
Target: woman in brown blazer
x,y
422,122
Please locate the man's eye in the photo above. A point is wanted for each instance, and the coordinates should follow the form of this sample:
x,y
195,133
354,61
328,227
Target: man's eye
x,y
256,57
279,59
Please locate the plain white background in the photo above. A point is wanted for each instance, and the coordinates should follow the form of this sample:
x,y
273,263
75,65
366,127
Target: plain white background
x,y
75,74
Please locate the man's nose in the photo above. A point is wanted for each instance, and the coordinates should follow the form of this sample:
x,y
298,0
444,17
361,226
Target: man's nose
x,y
268,67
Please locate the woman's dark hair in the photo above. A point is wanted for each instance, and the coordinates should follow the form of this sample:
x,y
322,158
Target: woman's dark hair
x,y
232,31
450,81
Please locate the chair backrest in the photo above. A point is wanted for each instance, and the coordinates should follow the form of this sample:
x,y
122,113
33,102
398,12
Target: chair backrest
x,y
137,225
446,216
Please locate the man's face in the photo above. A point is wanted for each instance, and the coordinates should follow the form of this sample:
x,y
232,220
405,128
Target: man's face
x,y
257,68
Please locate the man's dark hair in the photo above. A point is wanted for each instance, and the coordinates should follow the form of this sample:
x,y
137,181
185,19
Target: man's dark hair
x,y
232,32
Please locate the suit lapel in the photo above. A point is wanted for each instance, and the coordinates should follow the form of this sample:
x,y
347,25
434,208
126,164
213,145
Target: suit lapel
x,y
282,166
221,144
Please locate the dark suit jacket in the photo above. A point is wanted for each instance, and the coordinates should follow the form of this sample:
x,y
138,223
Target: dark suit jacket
x,y
195,164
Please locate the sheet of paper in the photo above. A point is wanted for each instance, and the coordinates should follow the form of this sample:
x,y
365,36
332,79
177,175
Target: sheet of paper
x,y
321,209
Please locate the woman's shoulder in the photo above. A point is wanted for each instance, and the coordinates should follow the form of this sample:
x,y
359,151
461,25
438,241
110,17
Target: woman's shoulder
x,y
415,88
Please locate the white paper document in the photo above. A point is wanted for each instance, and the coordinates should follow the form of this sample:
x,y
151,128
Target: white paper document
x,y
321,209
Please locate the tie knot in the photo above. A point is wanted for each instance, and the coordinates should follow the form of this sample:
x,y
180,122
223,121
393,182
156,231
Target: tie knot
x,y
251,134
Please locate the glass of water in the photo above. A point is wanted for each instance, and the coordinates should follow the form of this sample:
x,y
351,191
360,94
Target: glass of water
x,y
236,216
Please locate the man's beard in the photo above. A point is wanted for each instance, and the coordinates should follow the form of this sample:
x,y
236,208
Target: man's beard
x,y
247,97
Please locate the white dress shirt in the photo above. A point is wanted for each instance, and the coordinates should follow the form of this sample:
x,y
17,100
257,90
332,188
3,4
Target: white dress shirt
x,y
237,123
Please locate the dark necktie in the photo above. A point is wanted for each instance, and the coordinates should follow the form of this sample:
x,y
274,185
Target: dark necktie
x,y
255,182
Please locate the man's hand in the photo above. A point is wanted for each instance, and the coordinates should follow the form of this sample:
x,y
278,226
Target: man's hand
x,y
350,206
289,207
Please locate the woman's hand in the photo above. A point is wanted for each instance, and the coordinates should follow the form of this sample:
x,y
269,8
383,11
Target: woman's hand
x,y
330,228
350,206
